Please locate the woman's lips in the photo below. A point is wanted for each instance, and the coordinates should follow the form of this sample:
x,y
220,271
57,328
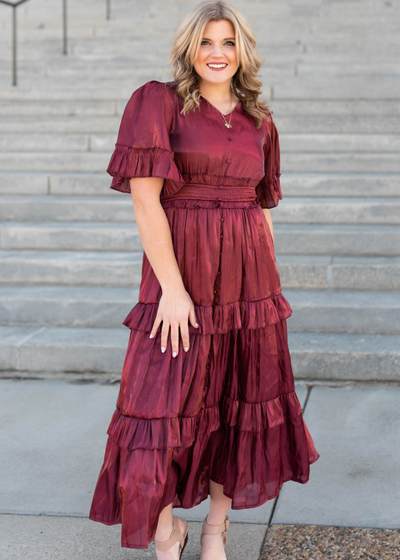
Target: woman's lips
x,y
218,69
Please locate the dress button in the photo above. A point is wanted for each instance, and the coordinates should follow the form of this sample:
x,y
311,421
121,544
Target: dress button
x,y
203,406
230,138
222,219
228,160
215,291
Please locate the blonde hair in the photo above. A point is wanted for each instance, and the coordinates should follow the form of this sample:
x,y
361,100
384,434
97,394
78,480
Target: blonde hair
x,y
186,44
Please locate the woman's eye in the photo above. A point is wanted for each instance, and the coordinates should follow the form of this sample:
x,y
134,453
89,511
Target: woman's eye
x,y
231,42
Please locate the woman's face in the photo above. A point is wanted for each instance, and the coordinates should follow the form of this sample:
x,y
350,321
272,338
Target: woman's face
x,y
218,46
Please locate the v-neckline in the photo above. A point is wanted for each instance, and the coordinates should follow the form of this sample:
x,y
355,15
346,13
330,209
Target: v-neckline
x,y
214,107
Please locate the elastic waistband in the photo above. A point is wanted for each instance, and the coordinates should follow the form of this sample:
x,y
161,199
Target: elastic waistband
x,y
214,192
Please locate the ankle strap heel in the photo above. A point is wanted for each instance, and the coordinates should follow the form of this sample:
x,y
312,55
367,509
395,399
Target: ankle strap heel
x,y
208,529
176,535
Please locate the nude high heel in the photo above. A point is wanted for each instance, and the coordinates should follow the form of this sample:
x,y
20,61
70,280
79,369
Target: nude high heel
x,y
208,529
176,535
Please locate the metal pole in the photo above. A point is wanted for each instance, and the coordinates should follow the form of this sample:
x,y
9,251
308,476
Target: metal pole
x,y
108,8
65,26
14,53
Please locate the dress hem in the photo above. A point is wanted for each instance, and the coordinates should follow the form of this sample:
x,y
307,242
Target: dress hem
x,y
294,479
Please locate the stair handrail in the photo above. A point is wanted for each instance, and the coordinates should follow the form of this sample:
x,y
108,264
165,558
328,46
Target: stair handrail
x,y
14,5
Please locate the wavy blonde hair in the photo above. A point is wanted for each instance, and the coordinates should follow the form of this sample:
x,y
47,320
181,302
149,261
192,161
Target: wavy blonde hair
x,y
186,44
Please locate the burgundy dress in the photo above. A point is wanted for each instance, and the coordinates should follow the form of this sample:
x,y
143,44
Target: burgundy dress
x,y
227,409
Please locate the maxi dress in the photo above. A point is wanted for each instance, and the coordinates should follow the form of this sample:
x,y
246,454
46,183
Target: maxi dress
x,y
227,409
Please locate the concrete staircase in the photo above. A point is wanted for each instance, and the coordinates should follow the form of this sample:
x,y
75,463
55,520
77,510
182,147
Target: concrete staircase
x,y
70,250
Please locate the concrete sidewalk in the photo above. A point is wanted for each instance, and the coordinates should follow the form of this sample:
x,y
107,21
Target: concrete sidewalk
x,y
53,438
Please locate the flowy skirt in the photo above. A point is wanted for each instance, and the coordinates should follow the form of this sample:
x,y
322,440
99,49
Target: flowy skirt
x,y
227,409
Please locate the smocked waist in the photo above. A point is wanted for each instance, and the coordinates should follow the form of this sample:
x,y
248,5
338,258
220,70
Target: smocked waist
x,y
200,191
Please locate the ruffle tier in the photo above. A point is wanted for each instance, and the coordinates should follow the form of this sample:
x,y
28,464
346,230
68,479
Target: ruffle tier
x,y
135,484
127,162
239,425
162,433
219,319
269,191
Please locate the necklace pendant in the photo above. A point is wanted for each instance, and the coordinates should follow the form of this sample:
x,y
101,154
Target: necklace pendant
x,y
228,125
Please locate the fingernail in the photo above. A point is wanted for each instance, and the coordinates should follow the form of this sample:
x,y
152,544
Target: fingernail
x,y
186,348
151,335
163,349
173,354
197,324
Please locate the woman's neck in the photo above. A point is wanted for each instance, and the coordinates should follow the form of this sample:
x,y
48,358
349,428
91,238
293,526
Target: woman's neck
x,y
218,94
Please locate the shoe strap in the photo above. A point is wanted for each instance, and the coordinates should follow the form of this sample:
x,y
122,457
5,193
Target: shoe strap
x,y
208,529
176,535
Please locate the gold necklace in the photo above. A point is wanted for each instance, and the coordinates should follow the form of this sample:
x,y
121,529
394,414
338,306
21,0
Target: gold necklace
x,y
228,125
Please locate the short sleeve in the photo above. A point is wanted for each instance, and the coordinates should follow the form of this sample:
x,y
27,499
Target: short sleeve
x,y
143,147
269,189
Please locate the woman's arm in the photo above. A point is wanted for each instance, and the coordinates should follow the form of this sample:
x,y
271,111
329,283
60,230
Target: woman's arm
x,y
175,305
154,231
267,215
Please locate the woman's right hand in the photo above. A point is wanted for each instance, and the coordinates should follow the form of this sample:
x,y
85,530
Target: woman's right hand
x,y
174,310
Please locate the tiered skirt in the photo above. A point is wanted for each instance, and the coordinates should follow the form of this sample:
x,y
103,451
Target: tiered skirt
x,y
227,409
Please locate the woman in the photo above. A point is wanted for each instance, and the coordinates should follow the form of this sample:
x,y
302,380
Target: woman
x,y
210,409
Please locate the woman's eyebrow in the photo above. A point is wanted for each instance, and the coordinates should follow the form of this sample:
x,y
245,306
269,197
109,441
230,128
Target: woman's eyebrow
x,y
222,39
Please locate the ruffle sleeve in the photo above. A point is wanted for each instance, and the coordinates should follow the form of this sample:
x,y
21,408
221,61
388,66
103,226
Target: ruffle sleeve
x,y
269,188
143,147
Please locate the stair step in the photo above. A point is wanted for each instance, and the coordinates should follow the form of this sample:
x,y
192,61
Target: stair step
x,y
340,185
293,184
66,306
324,142
124,269
114,61
349,162
28,101
326,311
77,184
343,87
41,95
358,357
112,208
333,107
71,268
73,125
287,124
330,311
56,349
302,143
280,84
337,240
50,107
46,142
70,236
339,273
296,239
314,355
56,162
351,211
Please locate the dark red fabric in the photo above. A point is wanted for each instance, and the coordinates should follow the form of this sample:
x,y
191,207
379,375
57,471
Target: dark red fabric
x,y
227,409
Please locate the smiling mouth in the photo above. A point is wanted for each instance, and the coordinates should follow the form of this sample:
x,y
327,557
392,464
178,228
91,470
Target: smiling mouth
x,y
217,66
